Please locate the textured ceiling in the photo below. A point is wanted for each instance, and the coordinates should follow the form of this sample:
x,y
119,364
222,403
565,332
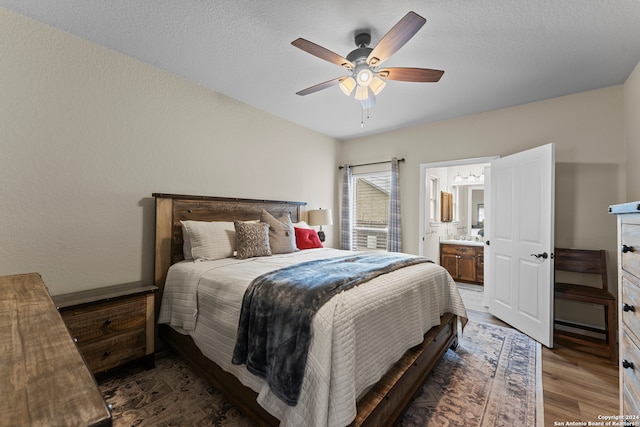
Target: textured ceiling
x,y
495,53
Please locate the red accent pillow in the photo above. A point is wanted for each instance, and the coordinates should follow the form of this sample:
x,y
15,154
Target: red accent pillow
x,y
307,238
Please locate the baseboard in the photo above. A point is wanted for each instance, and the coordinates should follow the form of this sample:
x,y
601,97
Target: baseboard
x,y
587,330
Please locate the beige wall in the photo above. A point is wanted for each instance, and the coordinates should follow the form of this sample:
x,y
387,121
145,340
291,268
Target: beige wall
x,y
87,135
588,131
632,133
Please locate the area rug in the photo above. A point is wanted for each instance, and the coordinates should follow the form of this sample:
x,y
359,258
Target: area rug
x,y
491,379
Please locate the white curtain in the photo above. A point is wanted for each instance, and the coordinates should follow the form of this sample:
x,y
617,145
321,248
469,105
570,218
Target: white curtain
x,y
394,241
345,214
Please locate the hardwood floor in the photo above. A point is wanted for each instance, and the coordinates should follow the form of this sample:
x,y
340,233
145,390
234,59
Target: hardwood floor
x,y
577,385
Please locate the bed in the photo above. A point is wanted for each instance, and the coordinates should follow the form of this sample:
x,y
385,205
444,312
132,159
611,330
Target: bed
x,y
377,396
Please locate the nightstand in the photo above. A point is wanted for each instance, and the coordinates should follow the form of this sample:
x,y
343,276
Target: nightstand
x,y
111,325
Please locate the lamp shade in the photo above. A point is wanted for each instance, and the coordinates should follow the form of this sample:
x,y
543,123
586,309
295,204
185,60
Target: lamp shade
x,y
377,84
347,85
362,92
320,217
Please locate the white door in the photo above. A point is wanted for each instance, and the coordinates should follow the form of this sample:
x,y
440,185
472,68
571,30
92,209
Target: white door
x,y
520,248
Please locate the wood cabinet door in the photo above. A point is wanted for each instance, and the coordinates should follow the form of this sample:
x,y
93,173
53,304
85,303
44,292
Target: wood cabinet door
x,y
480,265
467,268
450,263
480,270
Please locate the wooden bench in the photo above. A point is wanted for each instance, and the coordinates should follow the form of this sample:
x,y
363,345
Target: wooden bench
x,y
585,261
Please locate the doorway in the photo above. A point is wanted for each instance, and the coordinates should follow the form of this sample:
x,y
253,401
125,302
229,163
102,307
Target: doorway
x,y
520,218
463,178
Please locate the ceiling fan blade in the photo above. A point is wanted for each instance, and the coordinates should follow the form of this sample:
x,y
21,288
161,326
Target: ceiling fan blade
x,y
411,74
321,86
322,53
397,37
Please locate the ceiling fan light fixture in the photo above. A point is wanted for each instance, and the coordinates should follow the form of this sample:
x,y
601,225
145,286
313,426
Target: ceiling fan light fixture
x,y
347,85
362,93
366,79
364,76
377,84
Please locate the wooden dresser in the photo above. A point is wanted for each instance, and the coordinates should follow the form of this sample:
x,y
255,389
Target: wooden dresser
x,y
112,325
43,378
629,308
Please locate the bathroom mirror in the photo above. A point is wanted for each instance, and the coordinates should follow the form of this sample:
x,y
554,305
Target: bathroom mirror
x,y
476,207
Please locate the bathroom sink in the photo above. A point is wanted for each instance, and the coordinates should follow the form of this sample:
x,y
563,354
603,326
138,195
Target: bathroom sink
x,y
462,242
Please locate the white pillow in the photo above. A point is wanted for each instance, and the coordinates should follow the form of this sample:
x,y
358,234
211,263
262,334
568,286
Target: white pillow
x,y
204,240
301,224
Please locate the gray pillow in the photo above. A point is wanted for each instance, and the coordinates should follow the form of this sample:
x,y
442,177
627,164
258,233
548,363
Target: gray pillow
x,y
252,239
282,237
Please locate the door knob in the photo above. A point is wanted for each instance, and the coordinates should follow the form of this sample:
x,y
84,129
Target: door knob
x,y
543,255
627,307
626,249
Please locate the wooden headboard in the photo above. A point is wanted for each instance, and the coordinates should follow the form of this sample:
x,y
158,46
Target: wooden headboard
x,y
173,208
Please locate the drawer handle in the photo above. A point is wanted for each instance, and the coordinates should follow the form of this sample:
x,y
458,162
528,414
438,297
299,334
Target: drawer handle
x,y
107,322
627,307
626,364
626,249
107,353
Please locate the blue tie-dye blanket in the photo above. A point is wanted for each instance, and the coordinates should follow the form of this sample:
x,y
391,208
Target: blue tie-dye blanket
x,y
274,331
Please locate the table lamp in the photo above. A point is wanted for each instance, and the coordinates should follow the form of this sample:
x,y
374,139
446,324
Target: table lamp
x,y
320,217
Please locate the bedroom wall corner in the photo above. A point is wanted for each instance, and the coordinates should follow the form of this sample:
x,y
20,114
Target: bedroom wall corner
x,y
632,134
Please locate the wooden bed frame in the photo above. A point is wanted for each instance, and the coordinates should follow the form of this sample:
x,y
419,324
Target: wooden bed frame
x,y
382,405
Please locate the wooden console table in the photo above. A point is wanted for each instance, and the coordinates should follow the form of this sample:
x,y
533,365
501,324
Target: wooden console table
x,y
43,378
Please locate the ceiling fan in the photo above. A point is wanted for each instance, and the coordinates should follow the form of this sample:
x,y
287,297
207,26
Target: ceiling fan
x,y
367,78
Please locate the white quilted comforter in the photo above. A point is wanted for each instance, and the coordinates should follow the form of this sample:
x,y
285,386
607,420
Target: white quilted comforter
x,y
358,335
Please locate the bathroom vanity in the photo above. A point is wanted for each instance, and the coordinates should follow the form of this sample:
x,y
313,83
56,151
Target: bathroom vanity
x,y
463,259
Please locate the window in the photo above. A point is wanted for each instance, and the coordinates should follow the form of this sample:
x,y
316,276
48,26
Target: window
x,y
455,190
371,211
434,204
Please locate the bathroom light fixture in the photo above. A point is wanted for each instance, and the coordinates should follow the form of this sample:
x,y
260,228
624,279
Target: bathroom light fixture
x,y
471,177
459,179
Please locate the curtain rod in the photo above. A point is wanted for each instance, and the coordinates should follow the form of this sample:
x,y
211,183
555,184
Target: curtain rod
x,y
374,163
